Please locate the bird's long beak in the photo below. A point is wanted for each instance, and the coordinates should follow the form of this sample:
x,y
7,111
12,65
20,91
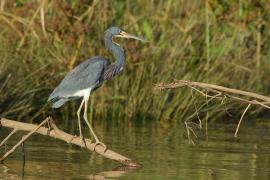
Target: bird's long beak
x,y
123,34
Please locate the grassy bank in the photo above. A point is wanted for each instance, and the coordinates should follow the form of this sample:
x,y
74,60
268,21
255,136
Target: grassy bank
x,y
225,43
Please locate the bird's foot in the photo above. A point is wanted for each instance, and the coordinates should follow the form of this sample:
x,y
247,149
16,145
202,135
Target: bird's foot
x,y
101,144
83,143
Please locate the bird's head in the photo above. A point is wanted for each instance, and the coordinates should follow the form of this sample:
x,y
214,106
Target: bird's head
x,y
118,32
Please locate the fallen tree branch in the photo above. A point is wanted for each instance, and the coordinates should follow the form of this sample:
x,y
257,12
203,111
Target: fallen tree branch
x,y
55,132
257,98
220,92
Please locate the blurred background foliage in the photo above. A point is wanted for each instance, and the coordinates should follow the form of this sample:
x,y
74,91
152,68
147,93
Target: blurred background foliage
x,y
213,41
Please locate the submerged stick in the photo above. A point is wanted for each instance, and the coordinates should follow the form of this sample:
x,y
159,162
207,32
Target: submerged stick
x,y
55,132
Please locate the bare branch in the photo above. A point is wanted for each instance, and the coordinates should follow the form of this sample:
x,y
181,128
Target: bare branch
x,y
55,132
220,92
257,98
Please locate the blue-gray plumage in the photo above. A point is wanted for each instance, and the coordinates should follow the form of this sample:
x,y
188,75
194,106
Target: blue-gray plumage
x,y
89,76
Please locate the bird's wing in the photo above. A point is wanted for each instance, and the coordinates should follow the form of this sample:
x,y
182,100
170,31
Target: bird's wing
x,y
87,74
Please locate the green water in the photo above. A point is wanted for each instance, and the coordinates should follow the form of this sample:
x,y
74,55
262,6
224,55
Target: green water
x,y
164,152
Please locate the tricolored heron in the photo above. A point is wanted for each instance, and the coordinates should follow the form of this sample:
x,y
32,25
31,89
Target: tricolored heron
x,y
89,76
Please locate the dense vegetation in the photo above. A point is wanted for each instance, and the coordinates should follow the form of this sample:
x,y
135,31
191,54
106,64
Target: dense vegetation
x,y
220,42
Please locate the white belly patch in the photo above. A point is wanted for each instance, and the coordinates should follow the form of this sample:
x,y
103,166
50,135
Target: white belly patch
x,y
83,93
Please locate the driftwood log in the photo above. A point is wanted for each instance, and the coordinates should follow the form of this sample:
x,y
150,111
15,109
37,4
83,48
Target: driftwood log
x,y
53,131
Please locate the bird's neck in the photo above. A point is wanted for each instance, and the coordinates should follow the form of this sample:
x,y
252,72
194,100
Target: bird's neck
x,y
116,50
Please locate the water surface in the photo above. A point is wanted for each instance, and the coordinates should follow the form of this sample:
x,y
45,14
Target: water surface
x,y
163,150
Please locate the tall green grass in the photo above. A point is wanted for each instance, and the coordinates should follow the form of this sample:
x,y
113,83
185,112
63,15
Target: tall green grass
x,y
220,42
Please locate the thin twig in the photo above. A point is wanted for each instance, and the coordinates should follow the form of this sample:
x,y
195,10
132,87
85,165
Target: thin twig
x,y
250,102
206,120
24,138
262,104
204,94
239,123
188,128
204,104
191,129
196,109
10,134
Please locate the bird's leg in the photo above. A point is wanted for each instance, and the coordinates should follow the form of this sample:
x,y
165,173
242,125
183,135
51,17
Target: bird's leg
x,y
79,122
79,118
98,142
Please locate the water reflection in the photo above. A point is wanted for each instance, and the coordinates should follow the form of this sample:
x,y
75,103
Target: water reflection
x,y
115,173
162,149
8,173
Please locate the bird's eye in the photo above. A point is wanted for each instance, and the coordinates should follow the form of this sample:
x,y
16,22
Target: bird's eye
x,y
120,31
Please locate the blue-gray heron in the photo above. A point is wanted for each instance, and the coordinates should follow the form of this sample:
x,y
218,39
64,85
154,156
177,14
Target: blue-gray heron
x,y
89,76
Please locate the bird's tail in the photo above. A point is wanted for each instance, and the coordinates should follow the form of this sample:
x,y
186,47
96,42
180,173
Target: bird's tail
x,y
59,103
